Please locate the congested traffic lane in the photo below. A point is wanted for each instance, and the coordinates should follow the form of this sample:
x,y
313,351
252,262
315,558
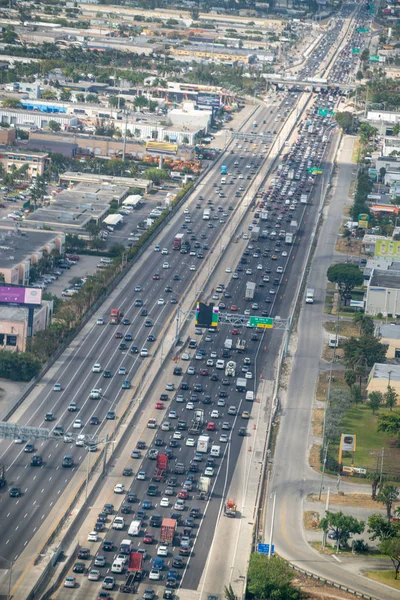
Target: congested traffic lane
x,y
213,346
41,487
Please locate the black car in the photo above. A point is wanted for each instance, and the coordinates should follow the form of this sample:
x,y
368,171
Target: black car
x,y
172,482
107,374
84,553
193,467
184,385
79,567
36,461
177,371
94,420
14,492
143,312
159,442
108,546
181,426
68,461
173,443
155,521
127,472
29,448
168,594
176,277
131,497
134,350
222,394
168,289
126,509
206,399
110,416
151,338
126,321
225,381
242,431
141,445
108,509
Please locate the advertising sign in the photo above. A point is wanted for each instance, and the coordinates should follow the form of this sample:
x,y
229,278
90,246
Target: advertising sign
x,y
348,442
387,248
20,295
355,50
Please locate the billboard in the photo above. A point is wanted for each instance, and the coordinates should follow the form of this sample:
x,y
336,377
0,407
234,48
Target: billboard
x,y
348,442
208,100
20,295
387,248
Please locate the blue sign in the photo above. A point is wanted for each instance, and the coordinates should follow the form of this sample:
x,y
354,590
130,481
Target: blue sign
x,y
264,548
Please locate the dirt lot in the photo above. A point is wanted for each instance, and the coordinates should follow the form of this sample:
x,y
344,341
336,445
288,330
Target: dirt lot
x,y
360,500
344,328
353,248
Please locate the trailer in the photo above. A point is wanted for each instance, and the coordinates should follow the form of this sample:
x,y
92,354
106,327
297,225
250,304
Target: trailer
x,y
303,199
168,528
289,238
196,424
178,239
250,290
230,509
203,488
240,345
134,575
202,444
161,467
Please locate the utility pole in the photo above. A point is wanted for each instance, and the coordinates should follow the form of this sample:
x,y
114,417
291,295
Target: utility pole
x,y
271,535
126,127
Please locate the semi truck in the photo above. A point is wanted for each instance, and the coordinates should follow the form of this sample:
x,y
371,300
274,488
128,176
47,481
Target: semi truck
x,y
250,290
168,528
230,369
134,573
206,214
224,170
310,296
241,384
230,508
115,316
202,444
177,243
161,467
240,345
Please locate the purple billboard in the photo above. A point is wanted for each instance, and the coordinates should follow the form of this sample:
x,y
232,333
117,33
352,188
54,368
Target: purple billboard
x,y
20,295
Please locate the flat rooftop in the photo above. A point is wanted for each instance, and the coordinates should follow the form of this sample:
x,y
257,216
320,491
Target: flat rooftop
x,y
17,245
383,370
386,279
13,313
389,331
131,182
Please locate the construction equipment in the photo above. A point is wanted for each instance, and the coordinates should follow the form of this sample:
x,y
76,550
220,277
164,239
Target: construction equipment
x,y
230,508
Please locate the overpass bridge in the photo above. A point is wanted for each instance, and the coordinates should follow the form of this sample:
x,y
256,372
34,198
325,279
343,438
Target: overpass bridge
x,y
290,81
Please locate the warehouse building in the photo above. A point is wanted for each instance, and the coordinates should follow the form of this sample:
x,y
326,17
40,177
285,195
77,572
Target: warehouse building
x,y
383,293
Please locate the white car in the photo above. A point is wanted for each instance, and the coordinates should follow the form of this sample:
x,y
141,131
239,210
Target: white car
x,y
141,476
259,267
154,574
185,356
215,414
161,302
164,251
57,387
77,424
223,438
190,406
190,442
177,435
248,375
118,523
144,352
172,414
164,502
94,575
119,488
249,272
279,269
209,472
228,270
122,371
192,268
162,551
95,394
100,321
221,402
165,265
93,536
235,276
210,362
284,253
191,370
96,368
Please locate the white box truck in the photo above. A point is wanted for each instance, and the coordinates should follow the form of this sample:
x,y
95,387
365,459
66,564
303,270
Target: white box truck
x,y
215,451
134,528
202,443
228,344
250,290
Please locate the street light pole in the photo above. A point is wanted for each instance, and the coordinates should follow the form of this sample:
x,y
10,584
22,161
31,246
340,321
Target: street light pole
x,y
271,535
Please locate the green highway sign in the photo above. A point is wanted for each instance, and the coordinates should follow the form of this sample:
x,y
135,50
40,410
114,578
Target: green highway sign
x,y
261,322
324,112
355,50
363,30
374,58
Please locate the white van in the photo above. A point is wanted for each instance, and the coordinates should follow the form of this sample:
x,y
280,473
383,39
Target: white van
x,y
250,396
134,527
117,566
215,451
105,261
220,364
333,341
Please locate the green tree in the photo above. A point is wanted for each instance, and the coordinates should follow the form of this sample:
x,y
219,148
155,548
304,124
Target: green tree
x,y
382,173
49,95
364,351
11,103
346,277
229,593
387,496
54,126
366,323
270,578
156,175
140,102
117,102
366,132
117,250
65,95
375,401
377,480
350,378
345,121
9,36
380,528
359,75
390,397
92,98
396,129
39,189
342,525
364,56
391,547
80,97
185,139
389,423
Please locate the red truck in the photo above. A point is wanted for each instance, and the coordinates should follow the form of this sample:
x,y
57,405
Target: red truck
x,y
134,573
115,316
168,528
161,467
177,243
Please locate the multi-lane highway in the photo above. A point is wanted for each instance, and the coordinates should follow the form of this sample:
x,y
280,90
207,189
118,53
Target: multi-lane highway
x,y
41,486
275,267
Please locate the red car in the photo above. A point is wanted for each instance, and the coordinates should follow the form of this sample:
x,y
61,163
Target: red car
x,y
156,276
183,494
210,426
203,371
159,405
235,332
148,539
233,307
119,335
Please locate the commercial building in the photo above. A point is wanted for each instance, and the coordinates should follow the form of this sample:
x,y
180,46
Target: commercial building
x,y
12,158
21,249
389,334
381,376
30,119
382,295
131,182
14,324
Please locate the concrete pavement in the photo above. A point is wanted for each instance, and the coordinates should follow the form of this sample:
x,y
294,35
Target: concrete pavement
x,y
292,479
